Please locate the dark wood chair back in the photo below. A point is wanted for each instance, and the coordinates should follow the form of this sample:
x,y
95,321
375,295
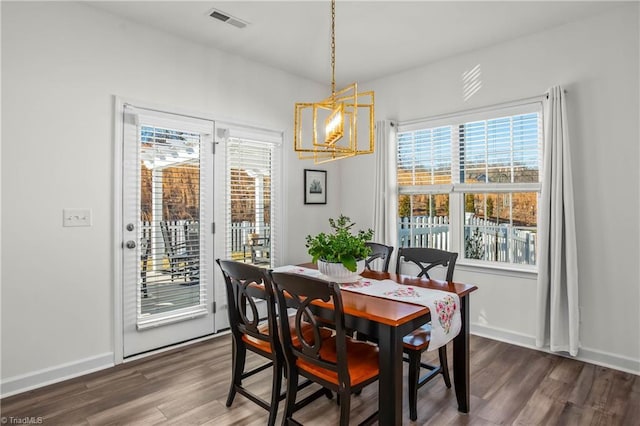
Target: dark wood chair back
x,y
379,251
301,291
244,284
427,259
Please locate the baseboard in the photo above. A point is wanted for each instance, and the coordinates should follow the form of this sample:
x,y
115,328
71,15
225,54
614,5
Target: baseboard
x,y
591,356
18,384
26,382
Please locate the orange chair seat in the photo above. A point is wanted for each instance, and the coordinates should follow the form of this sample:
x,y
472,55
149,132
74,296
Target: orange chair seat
x,y
362,361
418,340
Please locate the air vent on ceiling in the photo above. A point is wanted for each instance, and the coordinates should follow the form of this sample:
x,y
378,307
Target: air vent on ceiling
x,y
225,17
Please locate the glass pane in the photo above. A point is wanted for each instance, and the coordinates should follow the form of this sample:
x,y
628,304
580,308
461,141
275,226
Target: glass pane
x,y
424,221
170,220
424,157
527,148
501,150
501,227
250,201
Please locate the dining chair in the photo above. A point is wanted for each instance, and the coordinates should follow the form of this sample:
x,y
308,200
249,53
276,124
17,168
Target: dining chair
x,y
378,251
339,363
415,343
245,284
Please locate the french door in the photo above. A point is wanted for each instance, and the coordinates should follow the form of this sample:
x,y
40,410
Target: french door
x,y
167,229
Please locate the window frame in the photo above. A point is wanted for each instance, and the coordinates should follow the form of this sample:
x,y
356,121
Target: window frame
x,y
457,190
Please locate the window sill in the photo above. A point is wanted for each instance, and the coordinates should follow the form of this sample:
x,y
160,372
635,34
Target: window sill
x,y
504,270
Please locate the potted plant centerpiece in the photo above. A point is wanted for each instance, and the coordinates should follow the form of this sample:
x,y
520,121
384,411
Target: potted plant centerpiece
x,y
340,255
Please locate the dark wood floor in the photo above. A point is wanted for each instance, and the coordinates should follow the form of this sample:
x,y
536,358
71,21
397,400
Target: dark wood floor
x,y
188,386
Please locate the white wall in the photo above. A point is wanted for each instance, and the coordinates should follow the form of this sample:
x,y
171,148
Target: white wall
x,y
62,64
596,60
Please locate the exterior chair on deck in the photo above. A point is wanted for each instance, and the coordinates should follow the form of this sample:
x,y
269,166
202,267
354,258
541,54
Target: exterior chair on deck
x,y
192,250
379,251
339,363
179,259
244,284
145,253
418,341
262,246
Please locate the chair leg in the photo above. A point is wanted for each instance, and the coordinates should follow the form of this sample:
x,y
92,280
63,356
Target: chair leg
x,y
444,364
143,275
345,408
414,378
171,268
292,390
275,392
238,354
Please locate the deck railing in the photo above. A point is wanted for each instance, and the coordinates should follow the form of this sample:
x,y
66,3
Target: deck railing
x,y
483,239
240,231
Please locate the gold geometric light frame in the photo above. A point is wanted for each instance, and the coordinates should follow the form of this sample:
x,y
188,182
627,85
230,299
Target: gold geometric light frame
x,y
329,130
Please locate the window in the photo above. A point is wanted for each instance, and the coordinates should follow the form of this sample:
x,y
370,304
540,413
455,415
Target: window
x,y
251,194
470,183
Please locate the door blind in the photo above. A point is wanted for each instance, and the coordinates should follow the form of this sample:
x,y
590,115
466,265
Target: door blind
x,y
172,200
251,183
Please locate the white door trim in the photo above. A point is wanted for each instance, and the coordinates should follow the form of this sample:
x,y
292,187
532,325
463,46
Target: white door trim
x,y
118,142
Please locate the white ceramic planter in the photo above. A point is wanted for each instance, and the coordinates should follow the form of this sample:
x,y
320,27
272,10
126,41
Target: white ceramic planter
x,y
338,273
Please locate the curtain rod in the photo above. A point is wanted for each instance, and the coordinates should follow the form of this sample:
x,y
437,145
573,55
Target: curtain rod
x,y
565,91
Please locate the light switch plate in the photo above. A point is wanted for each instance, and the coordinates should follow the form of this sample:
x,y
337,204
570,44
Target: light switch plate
x,y
76,217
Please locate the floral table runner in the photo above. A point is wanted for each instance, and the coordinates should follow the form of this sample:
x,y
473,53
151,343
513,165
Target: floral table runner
x,y
444,306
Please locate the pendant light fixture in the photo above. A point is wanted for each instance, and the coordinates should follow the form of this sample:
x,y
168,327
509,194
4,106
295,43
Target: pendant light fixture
x,y
330,129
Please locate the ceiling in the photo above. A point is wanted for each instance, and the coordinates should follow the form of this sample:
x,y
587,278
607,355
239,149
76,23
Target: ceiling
x,y
373,38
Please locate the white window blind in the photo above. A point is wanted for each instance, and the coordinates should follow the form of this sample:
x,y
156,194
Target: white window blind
x,y
424,159
252,168
474,175
501,151
173,199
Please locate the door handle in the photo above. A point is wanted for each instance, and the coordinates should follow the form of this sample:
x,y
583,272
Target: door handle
x,y
131,244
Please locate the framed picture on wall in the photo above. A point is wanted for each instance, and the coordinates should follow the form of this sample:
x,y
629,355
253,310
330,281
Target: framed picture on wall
x,y
315,186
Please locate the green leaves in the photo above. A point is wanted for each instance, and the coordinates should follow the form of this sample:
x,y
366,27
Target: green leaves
x,y
341,246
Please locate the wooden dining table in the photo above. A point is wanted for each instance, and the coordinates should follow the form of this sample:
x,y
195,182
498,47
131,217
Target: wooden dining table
x,y
389,321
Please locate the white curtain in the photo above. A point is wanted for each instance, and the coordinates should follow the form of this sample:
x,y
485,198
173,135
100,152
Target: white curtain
x,y
385,131
558,321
